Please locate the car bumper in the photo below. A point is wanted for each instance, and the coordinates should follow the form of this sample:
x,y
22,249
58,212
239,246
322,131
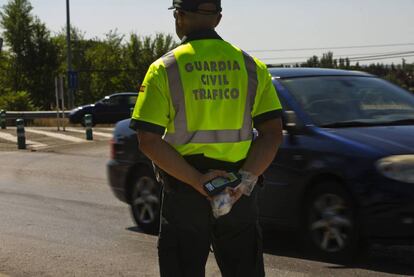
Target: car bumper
x,y
117,178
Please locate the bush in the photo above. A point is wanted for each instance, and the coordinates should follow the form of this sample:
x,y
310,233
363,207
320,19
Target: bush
x,y
16,101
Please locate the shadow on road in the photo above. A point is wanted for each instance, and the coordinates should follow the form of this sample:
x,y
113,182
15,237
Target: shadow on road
x,y
138,230
379,258
135,229
385,259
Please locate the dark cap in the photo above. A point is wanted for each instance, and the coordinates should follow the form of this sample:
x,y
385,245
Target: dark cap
x,y
193,5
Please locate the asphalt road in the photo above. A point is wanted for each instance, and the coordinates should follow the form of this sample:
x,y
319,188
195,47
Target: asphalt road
x,y
58,217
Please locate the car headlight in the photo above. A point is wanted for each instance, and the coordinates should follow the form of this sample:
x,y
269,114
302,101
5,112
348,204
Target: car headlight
x,y
400,168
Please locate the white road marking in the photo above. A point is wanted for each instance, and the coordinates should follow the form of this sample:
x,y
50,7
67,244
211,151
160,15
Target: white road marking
x,y
55,135
105,129
32,144
106,135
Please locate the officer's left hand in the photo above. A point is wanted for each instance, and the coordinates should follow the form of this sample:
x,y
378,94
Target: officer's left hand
x,y
235,193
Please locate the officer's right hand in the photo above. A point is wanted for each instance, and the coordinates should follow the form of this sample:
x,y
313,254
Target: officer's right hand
x,y
208,177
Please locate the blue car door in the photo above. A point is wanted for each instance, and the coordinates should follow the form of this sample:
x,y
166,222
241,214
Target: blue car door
x,y
283,180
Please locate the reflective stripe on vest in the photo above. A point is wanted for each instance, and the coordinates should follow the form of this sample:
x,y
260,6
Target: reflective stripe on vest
x,y
181,135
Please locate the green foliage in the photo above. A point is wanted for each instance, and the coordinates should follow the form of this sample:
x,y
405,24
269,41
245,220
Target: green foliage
x,y
33,54
32,58
5,72
43,66
312,62
327,60
113,64
16,101
402,75
16,20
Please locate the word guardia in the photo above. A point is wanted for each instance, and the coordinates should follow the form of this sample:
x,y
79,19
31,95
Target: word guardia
x,y
213,66
211,79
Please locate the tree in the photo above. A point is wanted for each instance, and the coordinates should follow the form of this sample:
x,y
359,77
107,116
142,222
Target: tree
x,y
43,65
312,62
347,63
141,52
327,60
16,101
34,55
112,64
6,73
16,20
107,61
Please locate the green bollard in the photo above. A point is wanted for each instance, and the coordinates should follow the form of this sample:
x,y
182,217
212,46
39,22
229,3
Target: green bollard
x,y
3,119
87,119
21,136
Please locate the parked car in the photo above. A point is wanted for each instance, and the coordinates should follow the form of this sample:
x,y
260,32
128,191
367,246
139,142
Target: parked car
x,y
110,109
343,175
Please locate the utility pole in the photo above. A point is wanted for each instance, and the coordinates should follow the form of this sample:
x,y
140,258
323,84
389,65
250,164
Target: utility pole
x,y
69,53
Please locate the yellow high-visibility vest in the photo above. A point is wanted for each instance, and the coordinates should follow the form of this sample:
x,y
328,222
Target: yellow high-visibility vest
x,y
203,97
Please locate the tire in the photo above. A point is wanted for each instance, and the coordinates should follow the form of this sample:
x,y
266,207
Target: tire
x,y
330,224
145,201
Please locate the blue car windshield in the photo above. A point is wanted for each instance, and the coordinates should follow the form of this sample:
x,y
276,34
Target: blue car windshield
x,y
344,101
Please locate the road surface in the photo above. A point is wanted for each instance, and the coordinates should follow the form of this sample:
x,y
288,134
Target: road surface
x,y
58,217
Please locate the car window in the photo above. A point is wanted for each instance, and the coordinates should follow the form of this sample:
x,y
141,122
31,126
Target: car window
x,y
105,100
132,100
330,100
114,101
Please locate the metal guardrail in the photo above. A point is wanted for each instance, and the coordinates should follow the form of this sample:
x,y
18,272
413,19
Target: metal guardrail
x,y
33,114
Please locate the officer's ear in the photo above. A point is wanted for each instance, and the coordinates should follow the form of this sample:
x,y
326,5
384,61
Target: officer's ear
x,y
179,17
219,16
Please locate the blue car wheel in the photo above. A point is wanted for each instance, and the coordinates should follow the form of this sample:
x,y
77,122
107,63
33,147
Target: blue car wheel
x,y
145,201
331,230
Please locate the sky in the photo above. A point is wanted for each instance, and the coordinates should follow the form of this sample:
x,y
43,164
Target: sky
x,y
285,27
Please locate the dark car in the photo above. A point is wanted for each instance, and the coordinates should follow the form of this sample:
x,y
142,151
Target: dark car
x,y
110,109
343,175
132,179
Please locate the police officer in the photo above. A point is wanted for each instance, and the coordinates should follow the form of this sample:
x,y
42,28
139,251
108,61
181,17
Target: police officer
x,y
195,114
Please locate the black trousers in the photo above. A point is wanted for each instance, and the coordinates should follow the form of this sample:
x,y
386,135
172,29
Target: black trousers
x,y
188,230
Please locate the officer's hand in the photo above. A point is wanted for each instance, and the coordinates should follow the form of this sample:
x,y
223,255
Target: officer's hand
x,y
235,193
208,177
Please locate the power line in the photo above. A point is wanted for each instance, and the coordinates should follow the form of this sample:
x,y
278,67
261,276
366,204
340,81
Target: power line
x,y
338,55
368,58
333,47
383,55
389,55
382,58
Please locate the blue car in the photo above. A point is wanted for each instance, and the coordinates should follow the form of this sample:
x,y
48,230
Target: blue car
x,y
343,176
110,109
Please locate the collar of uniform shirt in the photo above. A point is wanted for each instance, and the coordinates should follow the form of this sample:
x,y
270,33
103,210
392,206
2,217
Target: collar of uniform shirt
x,y
202,34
